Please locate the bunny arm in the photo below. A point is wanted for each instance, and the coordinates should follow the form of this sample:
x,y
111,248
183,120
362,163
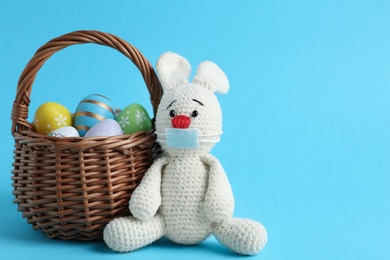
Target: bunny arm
x,y
219,199
146,199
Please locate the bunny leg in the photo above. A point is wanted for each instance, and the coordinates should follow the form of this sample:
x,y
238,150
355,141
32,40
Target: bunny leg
x,y
126,234
243,236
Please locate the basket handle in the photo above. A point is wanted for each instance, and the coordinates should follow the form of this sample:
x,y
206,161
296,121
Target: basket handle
x,y
22,100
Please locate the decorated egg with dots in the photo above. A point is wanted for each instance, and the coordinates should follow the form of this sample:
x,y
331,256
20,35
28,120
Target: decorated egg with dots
x,y
134,118
51,116
91,110
106,127
65,131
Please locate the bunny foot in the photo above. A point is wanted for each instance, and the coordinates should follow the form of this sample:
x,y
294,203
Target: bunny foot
x,y
243,236
128,233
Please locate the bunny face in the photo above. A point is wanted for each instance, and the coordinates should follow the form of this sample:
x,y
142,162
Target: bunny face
x,y
189,118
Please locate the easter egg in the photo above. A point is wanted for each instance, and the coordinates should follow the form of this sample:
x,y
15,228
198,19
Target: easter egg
x,y
91,110
65,131
106,127
51,116
134,118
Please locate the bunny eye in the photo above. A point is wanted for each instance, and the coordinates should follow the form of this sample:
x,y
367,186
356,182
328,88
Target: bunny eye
x,y
194,113
172,113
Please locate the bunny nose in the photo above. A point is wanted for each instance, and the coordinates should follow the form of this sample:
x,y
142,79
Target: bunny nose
x,y
181,121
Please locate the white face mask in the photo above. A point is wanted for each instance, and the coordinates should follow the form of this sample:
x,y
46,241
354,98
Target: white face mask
x,y
186,138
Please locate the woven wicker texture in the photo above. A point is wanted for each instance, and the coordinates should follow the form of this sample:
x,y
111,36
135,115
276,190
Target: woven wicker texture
x,y
70,188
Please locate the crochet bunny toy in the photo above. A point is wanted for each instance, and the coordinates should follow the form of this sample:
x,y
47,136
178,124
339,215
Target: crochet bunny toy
x,y
185,195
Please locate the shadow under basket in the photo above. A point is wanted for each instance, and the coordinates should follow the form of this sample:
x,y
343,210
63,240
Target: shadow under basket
x,y
70,188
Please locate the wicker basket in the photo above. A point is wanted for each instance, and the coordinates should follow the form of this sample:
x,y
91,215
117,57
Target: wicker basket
x,y
70,188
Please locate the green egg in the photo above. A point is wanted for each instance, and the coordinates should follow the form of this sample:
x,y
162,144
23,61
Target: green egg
x,y
134,118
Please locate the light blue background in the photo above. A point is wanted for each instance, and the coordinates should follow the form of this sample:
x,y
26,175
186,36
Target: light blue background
x,y
306,122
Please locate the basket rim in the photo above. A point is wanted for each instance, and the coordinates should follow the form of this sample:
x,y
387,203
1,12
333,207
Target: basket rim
x,y
123,143
22,100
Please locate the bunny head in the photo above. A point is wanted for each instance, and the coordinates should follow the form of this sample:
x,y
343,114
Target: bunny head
x,y
189,118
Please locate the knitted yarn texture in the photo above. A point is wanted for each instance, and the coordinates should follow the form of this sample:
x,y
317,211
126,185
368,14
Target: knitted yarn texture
x,y
185,195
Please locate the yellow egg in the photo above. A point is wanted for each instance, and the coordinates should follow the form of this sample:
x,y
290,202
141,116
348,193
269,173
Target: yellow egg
x,y
51,116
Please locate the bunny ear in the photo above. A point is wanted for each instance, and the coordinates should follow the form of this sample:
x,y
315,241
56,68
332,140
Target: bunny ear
x,y
172,70
210,76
